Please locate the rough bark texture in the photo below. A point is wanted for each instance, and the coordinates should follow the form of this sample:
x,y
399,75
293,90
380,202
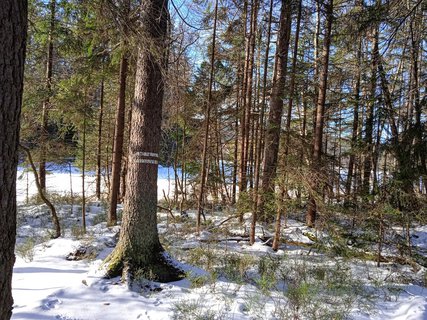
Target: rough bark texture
x,y
139,250
272,134
13,26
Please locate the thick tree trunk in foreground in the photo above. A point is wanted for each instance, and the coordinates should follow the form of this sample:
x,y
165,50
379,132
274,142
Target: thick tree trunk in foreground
x,y
13,28
139,248
320,115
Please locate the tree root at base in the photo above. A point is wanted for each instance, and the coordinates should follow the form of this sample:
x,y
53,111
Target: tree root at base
x,y
158,269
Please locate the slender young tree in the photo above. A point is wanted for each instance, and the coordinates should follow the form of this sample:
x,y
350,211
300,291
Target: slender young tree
x,y
42,195
320,113
355,127
46,102
13,30
247,96
207,120
261,129
120,119
242,104
139,246
99,145
369,120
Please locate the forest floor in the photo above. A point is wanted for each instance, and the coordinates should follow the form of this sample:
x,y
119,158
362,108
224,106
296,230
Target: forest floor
x,y
314,274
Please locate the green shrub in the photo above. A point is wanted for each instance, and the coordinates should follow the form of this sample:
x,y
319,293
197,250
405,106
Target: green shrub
x,y
192,310
320,291
99,218
234,266
25,250
77,231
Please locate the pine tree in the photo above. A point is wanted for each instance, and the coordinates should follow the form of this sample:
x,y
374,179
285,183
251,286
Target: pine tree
x,y
139,247
13,29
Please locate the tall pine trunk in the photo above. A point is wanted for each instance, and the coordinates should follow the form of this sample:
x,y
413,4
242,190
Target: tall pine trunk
x,y
280,201
261,129
355,127
242,109
83,174
118,142
13,30
139,247
369,120
248,95
99,146
320,116
204,168
272,132
120,125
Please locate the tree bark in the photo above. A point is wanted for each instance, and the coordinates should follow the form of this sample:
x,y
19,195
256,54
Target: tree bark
x,y
280,206
203,173
248,95
243,142
118,143
369,121
99,146
320,115
120,127
272,134
139,248
83,175
355,128
261,129
316,63
13,29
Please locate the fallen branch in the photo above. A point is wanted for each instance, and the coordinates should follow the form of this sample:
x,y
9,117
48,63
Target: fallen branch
x,y
168,210
237,239
222,222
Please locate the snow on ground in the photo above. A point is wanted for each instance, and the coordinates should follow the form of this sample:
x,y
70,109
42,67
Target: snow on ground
x,y
61,180
225,279
52,287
